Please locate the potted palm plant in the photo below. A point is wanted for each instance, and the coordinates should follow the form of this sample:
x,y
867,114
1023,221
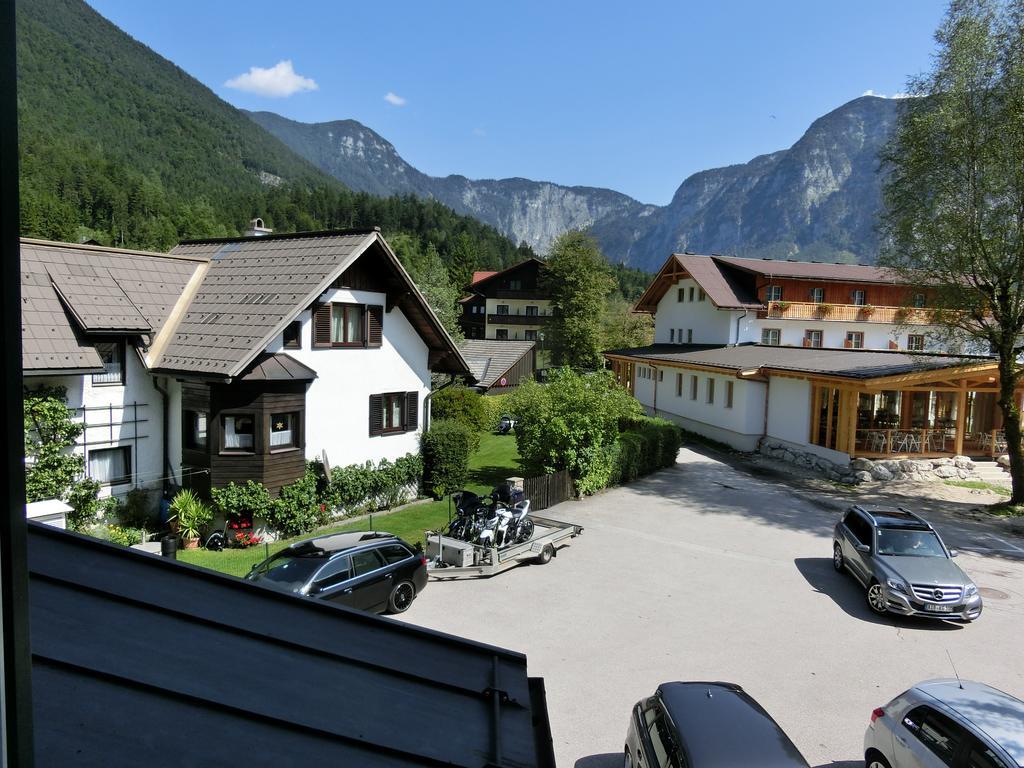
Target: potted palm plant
x,y
189,515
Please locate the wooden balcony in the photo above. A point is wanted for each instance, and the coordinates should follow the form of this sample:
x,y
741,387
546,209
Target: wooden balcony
x,y
809,310
518,319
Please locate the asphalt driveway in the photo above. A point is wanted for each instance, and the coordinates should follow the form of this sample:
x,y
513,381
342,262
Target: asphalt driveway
x,y
706,572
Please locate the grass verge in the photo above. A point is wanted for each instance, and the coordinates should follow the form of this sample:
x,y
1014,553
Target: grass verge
x,y
495,460
980,485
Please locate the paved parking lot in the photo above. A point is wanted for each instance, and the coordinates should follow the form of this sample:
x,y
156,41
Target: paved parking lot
x,y
706,572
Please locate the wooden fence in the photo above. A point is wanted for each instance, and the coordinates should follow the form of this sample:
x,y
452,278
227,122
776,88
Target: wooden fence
x,y
547,490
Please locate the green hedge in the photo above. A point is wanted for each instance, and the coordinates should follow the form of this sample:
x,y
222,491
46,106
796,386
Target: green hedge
x,y
369,487
460,404
446,449
645,445
494,407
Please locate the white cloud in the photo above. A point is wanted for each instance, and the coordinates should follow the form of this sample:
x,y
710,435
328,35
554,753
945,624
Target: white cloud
x,y
394,99
869,92
277,82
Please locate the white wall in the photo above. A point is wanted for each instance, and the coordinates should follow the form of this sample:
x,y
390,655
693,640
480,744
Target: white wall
x,y
709,324
111,409
789,410
876,335
337,402
740,426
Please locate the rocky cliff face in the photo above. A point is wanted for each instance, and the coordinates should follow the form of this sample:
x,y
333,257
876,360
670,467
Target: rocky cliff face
x,y
818,199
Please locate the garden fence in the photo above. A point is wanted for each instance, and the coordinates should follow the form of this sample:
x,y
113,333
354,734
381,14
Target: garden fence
x,y
547,490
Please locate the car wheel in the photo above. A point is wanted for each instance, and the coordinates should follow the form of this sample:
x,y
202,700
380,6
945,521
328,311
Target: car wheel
x,y
402,595
875,760
837,557
545,554
876,598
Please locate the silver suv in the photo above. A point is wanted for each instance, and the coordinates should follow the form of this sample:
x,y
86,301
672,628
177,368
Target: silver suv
x,y
903,564
939,723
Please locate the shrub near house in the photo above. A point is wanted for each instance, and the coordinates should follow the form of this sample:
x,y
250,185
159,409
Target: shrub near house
x,y
589,425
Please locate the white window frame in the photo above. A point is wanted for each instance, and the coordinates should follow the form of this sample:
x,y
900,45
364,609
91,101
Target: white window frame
x,y
817,295
767,334
101,453
772,293
859,298
915,342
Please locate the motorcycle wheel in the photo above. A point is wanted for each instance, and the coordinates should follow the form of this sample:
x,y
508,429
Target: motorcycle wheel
x,y
526,529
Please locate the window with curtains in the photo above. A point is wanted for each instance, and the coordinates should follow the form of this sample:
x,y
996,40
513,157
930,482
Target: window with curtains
x,y
859,298
347,325
817,295
112,355
284,430
393,412
812,338
855,339
771,337
773,293
238,431
111,466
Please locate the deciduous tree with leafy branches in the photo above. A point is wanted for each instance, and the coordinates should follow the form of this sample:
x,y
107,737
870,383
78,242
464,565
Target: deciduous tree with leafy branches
x,y
954,216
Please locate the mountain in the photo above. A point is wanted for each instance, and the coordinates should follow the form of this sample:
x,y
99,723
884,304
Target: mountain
x,y
819,199
119,145
531,212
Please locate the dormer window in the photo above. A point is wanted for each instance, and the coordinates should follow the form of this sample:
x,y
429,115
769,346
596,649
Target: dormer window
x,y
773,293
112,355
817,295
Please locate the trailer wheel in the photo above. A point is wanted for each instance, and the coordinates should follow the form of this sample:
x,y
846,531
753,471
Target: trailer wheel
x,y
545,554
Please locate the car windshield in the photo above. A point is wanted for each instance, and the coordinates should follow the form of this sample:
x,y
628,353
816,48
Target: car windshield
x,y
287,570
906,541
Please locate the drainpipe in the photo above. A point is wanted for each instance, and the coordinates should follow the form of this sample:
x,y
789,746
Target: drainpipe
x,y
738,319
165,419
426,401
654,377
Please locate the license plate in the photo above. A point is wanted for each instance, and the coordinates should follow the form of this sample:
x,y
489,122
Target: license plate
x,y
939,608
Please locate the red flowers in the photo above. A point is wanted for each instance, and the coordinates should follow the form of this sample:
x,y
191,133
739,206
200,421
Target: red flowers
x,y
246,539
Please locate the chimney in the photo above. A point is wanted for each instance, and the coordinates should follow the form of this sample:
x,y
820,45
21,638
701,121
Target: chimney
x,y
256,228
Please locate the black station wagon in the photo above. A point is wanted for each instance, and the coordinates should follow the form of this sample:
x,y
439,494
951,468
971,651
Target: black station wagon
x,y
368,570
706,725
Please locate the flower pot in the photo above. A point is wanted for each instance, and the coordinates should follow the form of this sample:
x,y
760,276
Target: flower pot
x,y
192,543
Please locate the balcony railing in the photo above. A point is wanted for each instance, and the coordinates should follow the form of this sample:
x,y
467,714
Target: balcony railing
x,y
518,319
809,310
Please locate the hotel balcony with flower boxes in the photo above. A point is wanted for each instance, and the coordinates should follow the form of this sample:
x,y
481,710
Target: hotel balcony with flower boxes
x,y
518,319
862,313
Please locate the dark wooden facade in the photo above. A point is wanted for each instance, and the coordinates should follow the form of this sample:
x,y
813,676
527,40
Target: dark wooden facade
x,y
274,467
839,292
522,371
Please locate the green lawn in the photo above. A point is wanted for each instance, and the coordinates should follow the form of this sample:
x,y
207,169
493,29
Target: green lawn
x,y
496,459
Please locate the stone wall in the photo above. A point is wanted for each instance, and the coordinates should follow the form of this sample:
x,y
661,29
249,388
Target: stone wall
x,y
878,470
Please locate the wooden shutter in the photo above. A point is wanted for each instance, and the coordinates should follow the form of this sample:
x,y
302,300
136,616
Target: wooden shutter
x,y
374,325
322,325
376,415
807,342
848,343
412,411
893,344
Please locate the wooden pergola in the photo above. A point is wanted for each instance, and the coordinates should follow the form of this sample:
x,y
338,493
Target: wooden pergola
x,y
926,414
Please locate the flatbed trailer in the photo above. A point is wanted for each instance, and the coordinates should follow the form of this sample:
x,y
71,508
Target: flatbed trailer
x,y
475,560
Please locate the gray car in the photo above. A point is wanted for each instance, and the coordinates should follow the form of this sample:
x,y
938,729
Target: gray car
x,y
941,723
903,565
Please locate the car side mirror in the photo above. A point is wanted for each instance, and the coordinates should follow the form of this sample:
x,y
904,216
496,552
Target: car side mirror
x,y
863,548
954,553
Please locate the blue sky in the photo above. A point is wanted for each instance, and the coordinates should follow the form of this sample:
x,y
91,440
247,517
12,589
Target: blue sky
x,y
630,96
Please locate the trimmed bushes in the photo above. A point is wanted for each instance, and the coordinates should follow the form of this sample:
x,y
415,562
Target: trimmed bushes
x,y
369,487
645,445
494,407
460,404
446,449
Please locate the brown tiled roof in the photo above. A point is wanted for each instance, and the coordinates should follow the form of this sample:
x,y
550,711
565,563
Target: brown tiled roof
x,y
255,286
834,363
489,359
479,278
728,282
107,290
810,270
277,367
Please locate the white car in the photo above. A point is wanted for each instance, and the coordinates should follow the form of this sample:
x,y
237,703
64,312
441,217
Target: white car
x,y
943,723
